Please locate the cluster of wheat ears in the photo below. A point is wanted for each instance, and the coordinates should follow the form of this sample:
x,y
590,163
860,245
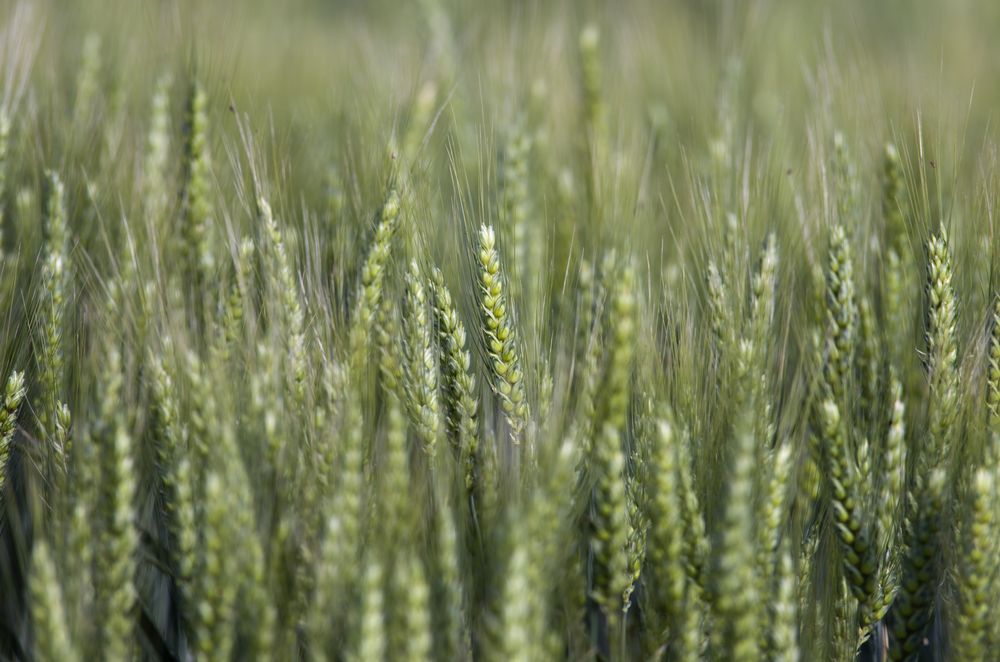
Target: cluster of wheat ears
x,y
465,397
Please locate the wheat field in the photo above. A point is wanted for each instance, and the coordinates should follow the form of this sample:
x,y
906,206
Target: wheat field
x,y
509,330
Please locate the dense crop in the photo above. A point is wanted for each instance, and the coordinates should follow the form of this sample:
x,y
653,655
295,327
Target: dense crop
x,y
528,332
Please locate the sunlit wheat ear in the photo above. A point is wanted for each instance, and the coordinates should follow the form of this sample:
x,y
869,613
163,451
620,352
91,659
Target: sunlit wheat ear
x,y
920,572
419,122
734,598
337,569
57,282
993,370
610,529
52,637
868,357
900,271
841,317
327,592
395,479
216,581
388,333
773,509
369,296
87,79
696,547
975,570
420,369
852,523
890,496
636,546
417,611
784,638
720,317
154,170
893,196
175,472
234,308
846,180
516,619
616,388
255,599
502,348
292,314
942,350
372,639
514,182
594,110
197,173
461,398
14,392
453,619
762,314
116,563
666,546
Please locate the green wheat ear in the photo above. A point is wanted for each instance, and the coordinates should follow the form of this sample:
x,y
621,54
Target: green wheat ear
x,y
610,528
666,546
461,399
292,316
507,377
155,164
216,581
57,283
418,618
851,521
116,591
942,349
52,638
420,370
14,392
975,570
919,576
369,297
373,640
735,609
993,370
841,317
196,203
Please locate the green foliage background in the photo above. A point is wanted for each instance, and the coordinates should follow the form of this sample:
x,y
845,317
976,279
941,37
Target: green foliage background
x,y
726,386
